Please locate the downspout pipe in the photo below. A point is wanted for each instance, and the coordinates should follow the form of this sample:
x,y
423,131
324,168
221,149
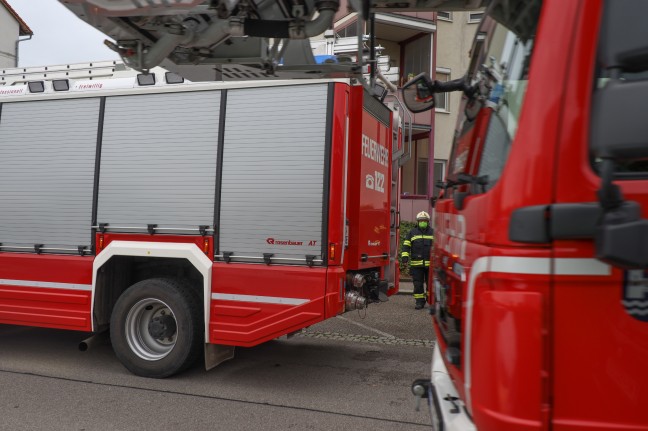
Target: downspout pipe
x,y
18,46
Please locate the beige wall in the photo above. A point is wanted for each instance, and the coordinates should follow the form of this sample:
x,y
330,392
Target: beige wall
x,y
9,30
454,40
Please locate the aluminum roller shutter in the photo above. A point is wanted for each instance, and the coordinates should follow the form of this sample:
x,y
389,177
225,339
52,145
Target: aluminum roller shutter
x,y
47,158
273,172
158,160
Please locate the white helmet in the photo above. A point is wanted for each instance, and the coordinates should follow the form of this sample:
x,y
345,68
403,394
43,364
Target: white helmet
x,y
423,216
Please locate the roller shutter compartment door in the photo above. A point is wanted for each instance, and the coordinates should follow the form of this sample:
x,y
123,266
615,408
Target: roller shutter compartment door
x,y
47,160
158,161
273,173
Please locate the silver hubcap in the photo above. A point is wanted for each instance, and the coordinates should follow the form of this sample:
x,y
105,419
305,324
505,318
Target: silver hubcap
x,y
151,329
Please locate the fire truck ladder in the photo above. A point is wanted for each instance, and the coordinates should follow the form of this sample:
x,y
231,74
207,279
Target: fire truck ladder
x,y
401,140
78,71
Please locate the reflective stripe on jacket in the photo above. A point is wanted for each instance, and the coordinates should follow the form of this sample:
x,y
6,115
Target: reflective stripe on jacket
x,y
417,246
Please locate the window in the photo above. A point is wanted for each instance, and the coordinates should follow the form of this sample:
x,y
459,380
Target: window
x,y
417,57
506,50
444,16
439,174
422,173
422,176
443,99
475,17
350,30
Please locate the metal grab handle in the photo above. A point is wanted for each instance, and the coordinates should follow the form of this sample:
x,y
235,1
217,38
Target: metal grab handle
x,y
287,259
146,228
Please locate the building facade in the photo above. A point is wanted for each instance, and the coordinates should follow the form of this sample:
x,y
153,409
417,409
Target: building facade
x,y
12,29
409,44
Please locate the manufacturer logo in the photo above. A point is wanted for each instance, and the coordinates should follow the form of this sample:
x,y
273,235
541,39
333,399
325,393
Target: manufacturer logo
x,y
12,91
373,243
635,294
273,241
94,86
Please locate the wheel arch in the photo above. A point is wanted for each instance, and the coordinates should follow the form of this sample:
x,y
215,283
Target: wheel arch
x,y
143,250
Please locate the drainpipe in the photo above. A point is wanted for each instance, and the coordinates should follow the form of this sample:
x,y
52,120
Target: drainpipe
x,y
430,191
17,46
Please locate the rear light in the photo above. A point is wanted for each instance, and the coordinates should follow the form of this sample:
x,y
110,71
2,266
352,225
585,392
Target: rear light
x,y
332,251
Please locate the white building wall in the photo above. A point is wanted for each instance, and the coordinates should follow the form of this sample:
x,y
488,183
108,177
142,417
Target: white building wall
x,y
9,30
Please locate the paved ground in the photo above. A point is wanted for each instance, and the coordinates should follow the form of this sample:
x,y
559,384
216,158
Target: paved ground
x,y
352,372
406,287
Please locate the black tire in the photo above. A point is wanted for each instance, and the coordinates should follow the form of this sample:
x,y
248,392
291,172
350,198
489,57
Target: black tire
x,y
157,327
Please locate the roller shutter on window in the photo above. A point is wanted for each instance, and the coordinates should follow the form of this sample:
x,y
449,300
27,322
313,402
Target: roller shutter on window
x,y
47,158
158,161
273,173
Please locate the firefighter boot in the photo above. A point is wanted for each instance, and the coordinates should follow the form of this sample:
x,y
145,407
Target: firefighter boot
x,y
420,303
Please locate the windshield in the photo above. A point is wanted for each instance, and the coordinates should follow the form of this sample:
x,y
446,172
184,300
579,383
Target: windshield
x,y
501,57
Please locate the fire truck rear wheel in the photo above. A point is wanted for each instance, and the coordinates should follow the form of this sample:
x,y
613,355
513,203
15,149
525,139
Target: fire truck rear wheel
x,y
156,327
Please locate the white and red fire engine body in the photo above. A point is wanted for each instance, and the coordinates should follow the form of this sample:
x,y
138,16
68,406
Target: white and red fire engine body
x,y
271,200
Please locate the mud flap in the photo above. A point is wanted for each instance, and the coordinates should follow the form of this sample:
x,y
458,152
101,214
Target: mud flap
x,y
216,354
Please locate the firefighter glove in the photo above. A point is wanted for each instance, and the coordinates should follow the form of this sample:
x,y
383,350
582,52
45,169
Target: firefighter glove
x,y
405,259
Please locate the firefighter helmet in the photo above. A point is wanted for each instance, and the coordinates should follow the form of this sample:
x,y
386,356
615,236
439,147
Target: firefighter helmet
x,y
422,216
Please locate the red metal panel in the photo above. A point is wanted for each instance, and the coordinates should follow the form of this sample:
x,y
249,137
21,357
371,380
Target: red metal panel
x,y
248,323
369,186
50,307
508,335
600,351
335,291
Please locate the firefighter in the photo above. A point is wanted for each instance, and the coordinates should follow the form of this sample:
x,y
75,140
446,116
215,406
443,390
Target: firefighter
x,y
416,251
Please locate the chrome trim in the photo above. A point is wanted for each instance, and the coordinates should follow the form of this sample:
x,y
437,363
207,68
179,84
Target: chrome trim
x,y
260,299
46,284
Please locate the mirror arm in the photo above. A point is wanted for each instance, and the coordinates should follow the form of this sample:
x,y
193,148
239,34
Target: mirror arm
x,y
459,84
609,194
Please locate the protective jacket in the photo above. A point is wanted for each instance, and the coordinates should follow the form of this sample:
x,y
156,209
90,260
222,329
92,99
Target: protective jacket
x,y
417,246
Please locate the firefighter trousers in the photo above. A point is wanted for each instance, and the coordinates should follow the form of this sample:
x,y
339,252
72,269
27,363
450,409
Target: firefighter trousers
x,y
420,280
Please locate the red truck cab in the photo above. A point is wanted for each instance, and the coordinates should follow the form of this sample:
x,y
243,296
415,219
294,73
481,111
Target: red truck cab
x,y
540,296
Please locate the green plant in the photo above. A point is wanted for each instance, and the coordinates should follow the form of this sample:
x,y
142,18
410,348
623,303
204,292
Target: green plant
x,y
405,227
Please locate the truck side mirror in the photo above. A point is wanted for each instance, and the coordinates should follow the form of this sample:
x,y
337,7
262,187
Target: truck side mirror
x,y
620,129
620,132
418,93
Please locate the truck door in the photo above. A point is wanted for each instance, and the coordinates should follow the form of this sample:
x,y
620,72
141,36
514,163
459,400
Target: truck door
x,y
600,312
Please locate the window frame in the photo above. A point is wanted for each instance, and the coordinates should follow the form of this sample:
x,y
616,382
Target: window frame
x,y
443,96
472,20
426,171
444,165
444,18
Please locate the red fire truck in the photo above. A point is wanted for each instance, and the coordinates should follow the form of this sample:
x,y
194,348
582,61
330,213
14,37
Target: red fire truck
x,y
191,216
540,296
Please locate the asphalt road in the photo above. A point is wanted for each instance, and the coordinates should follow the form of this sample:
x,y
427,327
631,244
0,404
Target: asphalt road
x,y
352,372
